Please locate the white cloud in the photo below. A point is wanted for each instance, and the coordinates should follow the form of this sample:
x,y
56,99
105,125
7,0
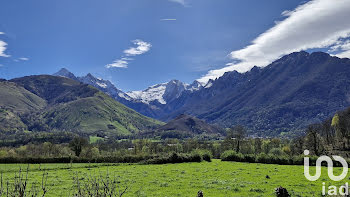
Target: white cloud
x,y
121,63
140,48
168,19
23,58
341,49
315,24
344,54
118,64
182,2
2,33
3,49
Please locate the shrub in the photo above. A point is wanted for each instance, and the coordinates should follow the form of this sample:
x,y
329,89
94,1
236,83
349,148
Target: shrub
x,y
276,152
231,155
175,158
249,158
262,158
205,154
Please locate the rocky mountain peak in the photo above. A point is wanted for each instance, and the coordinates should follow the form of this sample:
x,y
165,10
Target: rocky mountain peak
x,y
63,72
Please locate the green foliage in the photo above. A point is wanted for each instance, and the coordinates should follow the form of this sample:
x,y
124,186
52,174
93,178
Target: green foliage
x,y
94,139
176,158
77,145
206,155
276,151
231,155
335,120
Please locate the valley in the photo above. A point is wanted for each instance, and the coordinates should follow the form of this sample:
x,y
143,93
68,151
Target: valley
x,y
167,98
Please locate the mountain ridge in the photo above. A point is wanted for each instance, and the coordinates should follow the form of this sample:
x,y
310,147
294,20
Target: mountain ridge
x,y
150,102
69,105
273,99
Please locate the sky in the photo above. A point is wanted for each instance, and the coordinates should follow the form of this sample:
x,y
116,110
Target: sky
x,y
139,43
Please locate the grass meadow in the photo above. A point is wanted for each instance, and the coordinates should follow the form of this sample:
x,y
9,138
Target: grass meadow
x,y
215,179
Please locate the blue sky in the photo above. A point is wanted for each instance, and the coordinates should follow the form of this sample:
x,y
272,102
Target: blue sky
x,y
138,43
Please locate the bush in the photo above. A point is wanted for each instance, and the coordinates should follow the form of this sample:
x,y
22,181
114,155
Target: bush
x,y
262,158
175,158
249,158
231,155
276,152
205,154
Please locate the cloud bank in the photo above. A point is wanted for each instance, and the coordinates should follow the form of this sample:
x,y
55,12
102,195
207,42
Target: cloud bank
x,y
315,24
140,48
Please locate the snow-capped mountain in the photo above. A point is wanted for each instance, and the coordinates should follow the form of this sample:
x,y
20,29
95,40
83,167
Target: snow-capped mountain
x,y
194,86
105,86
153,93
101,84
152,102
164,92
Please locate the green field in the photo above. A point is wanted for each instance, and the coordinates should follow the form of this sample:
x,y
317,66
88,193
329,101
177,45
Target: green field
x,y
215,179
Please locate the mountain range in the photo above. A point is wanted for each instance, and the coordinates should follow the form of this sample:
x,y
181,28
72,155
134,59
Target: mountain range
x,y
284,97
294,91
151,102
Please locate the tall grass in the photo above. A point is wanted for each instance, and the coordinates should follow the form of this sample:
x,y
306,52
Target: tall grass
x,y
100,186
87,186
19,186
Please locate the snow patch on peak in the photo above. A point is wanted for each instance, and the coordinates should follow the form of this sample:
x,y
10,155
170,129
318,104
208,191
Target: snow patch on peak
x,y
164,92
123,95
195,86
152,93
102,85
209,84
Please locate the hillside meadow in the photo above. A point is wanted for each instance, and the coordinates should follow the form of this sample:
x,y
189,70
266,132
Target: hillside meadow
x,y
216,178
